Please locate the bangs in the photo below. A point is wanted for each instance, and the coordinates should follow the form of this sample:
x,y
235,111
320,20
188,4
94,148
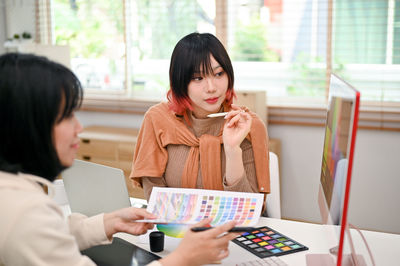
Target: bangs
x,y
202,63
72,93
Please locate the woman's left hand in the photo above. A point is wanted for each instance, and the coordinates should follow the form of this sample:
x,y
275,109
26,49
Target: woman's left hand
x,y
236,128
123,220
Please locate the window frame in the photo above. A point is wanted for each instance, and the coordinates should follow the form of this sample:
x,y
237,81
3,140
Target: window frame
x,y
373,115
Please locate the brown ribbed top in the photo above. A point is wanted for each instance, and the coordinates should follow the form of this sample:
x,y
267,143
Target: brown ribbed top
x,y
167,160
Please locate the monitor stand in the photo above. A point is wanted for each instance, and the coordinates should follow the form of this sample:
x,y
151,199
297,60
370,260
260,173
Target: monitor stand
x,y
330,259
320,259
353,260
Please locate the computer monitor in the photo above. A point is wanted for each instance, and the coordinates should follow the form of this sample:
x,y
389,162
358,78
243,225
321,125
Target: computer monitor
x,y
337,160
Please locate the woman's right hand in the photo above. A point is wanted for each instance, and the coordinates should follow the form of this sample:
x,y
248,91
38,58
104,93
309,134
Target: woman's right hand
x,y
124,220
198,248
236,128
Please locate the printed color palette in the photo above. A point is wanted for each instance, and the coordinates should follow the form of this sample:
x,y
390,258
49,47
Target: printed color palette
x,y
227,208
189,206
265,242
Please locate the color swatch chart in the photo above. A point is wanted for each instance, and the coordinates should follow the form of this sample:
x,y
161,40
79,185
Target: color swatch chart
x,y
265,242
189,206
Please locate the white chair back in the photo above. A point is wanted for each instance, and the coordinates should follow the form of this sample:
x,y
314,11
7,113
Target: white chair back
x,y
273,201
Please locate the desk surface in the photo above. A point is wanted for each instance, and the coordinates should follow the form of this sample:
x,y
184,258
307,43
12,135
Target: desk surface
x,y
383,246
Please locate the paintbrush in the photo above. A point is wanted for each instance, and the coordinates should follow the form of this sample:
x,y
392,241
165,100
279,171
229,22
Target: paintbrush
x,y
217,114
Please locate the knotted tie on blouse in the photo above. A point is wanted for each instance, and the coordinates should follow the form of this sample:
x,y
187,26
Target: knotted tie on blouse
x,y
162,127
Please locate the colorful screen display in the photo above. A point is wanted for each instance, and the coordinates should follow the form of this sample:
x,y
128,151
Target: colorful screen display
x,y
340,134
335,154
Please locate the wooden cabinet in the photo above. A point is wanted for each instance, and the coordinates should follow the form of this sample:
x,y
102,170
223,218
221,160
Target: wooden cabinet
x,y
275,146
256,101
110,146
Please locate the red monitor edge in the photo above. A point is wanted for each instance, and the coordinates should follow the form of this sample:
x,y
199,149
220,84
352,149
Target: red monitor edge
x,y
348,180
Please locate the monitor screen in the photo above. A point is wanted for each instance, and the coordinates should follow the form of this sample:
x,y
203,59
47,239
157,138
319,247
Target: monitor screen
x,y
340,133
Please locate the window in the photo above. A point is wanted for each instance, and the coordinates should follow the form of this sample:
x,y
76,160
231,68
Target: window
x,y
125,46
366,46
153,29
286,47
94,31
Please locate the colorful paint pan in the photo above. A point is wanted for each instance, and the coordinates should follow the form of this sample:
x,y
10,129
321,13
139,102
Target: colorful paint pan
x,y
266,242
173,230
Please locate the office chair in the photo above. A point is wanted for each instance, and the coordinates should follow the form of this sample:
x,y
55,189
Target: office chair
x,y
273,201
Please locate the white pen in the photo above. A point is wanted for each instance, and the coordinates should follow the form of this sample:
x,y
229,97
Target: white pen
x,y
217,114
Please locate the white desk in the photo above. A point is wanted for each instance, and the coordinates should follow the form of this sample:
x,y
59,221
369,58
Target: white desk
x,y
385,247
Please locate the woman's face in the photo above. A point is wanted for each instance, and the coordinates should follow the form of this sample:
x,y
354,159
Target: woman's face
x,y
207,93
66,139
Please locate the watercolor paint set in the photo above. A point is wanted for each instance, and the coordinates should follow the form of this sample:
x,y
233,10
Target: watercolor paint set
x,y
265,242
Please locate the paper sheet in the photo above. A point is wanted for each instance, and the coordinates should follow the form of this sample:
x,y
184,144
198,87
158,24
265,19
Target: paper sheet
x,y
189,206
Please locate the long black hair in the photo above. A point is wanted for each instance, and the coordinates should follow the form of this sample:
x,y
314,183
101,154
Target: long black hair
x,y
35,95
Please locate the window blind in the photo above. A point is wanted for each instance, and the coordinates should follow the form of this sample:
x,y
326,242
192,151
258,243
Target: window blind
x,y
285,47
301,42
43,19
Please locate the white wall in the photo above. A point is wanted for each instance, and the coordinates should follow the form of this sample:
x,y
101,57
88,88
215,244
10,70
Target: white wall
x,y
300,164
376,173
374,196
16,17
19,17
2,28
